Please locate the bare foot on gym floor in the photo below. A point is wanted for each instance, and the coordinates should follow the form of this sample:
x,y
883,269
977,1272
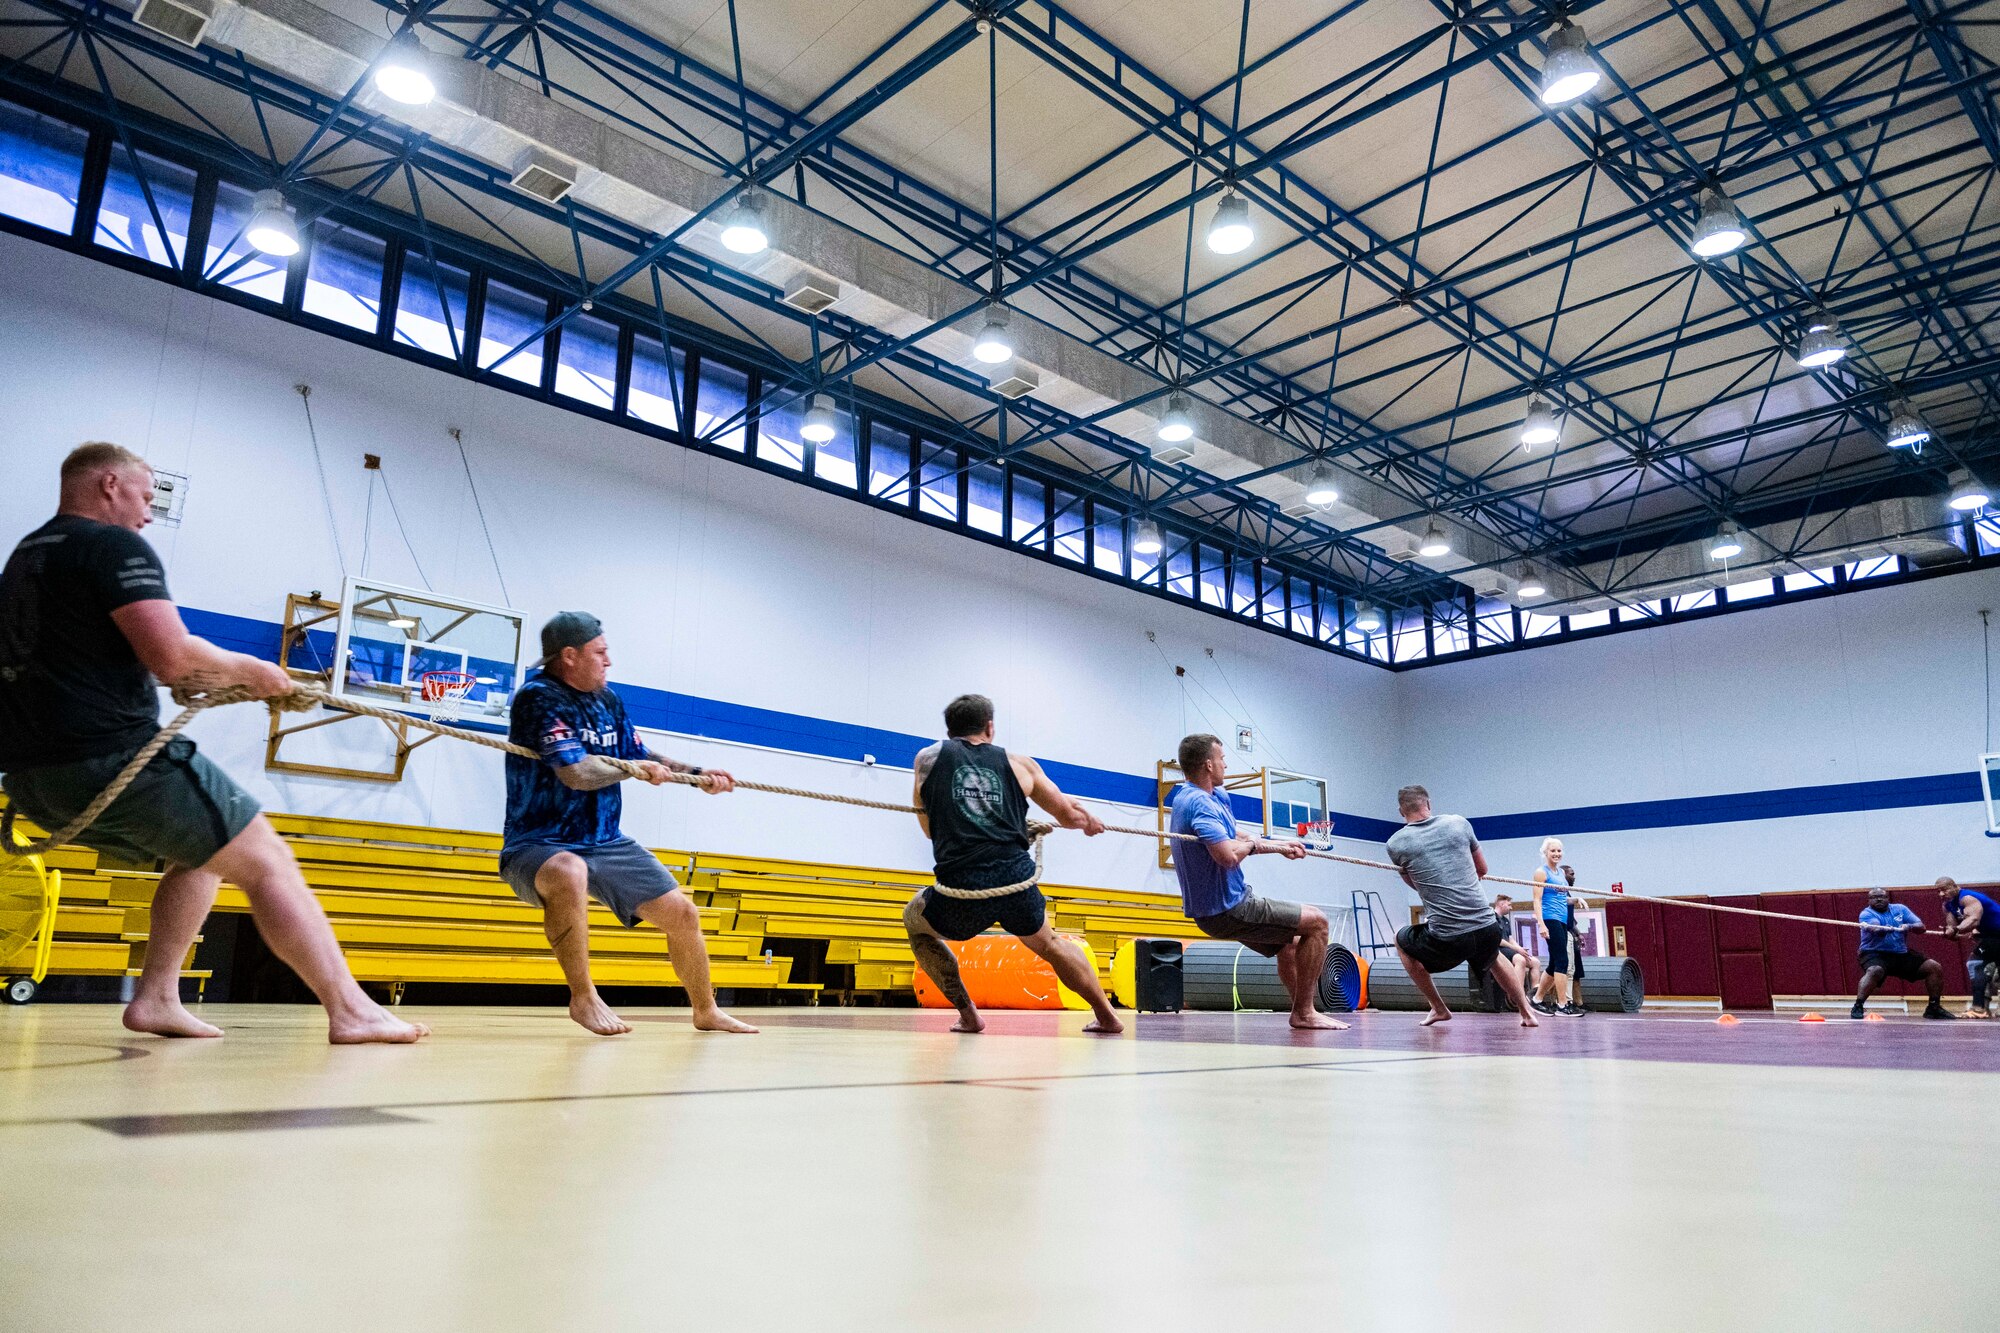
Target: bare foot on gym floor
x,y
720,1022
969,1022
1436,1016
1528,1021
371,1026
593,1013
1317,1021
1107,1026
166,1018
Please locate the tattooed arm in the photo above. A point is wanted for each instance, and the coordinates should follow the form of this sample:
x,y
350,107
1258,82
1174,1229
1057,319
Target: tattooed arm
x,y
716,782
926,760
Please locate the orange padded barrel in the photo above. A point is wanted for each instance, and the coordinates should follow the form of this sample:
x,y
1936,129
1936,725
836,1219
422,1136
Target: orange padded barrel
x,y
1000,972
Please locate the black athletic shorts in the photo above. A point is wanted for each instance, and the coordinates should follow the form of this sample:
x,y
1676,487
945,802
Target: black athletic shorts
x,y
181,809
1902,964
1441,953
1262,925
1987,949
1019,913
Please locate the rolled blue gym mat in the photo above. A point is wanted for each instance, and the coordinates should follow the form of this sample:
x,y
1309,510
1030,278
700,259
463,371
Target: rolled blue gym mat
x,y
1340,981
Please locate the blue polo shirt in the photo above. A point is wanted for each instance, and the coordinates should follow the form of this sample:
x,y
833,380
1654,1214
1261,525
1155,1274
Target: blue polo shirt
x,y
1206,888
563,725
1876,940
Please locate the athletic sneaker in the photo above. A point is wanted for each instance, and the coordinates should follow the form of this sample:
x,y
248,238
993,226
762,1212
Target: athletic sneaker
x,y
1542,1007
1574,1010
1855,1012
1938,1011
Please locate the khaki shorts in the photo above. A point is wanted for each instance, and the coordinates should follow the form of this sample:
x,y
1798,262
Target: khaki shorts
x,y
1263,925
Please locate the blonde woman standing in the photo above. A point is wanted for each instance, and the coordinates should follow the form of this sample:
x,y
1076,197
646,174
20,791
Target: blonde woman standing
x,y
1556,923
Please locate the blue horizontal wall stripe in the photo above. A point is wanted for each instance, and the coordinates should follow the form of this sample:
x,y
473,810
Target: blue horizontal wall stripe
x,y
720,720
1778,803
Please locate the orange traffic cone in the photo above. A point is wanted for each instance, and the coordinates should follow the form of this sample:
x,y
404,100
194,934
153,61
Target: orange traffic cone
x,y
1812,1018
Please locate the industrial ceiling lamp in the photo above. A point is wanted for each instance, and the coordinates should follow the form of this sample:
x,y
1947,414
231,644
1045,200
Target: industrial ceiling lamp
x,y
1178,423
1822,344
1321,487
1530,586
1719,228
1229,231
1367,618
996,341
402,72
1728,543
273,230
743,229
1436,543
1146,541
1571,70
1967,495
821,423
1541,425
1906,429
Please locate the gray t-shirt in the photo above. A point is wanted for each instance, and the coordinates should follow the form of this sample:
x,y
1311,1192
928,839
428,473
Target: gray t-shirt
x,y
1437,853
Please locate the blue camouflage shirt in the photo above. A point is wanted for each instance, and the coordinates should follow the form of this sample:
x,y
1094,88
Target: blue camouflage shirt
x,y
564,725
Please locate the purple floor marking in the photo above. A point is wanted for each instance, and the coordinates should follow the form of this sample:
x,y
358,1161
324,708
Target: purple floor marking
x,y
1899,1043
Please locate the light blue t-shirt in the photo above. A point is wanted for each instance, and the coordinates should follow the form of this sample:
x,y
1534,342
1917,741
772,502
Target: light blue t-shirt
x,y
1887,941
1206,888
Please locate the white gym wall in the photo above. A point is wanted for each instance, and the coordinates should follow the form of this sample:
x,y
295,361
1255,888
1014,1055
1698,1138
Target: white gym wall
x,y
712,579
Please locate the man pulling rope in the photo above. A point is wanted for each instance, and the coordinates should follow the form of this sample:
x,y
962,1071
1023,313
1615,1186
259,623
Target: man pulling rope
x,y
86,624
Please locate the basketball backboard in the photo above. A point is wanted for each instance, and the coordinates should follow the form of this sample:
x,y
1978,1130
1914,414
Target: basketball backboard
x,y
388,637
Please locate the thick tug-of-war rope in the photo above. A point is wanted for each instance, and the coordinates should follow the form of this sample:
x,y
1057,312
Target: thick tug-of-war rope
x,y
305,698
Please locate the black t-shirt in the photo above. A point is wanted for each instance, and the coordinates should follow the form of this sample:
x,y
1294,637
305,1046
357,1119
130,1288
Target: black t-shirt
x,y
71,688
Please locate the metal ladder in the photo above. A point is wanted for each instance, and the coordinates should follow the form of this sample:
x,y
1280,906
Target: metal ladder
x,y
1364,904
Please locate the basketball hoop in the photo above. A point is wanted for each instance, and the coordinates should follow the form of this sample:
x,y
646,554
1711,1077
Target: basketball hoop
x,y
445,692
1318,834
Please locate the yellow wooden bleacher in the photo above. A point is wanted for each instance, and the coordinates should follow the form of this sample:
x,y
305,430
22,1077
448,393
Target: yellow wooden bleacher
x,y
858,911
416,904
96,933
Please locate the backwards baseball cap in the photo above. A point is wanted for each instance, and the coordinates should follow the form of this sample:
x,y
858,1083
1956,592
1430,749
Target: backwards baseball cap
x,y
568,629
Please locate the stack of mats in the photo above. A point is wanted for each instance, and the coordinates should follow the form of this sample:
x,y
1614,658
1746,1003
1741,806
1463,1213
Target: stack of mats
x,y
1223,976
1610,985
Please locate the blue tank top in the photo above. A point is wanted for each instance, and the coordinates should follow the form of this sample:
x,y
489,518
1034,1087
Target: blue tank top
x,y
1553,897
1989,911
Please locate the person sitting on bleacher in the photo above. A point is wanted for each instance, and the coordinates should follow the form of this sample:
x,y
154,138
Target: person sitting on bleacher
x,y
86,627
562,847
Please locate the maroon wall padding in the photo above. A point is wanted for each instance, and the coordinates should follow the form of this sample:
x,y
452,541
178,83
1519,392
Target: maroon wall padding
x,y
1689,938
1643,941
1792,957
1743,982
1839,945
1735,933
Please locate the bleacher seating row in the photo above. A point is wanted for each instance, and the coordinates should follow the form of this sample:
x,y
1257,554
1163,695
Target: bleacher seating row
x,y
417,905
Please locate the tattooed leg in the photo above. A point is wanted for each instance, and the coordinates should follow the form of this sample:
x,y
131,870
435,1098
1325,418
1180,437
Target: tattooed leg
x,y
940,965
563,884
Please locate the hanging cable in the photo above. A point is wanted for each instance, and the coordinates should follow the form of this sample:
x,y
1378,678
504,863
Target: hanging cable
x,y
458,438
1231,686
319,465
368,520
1986,646
389,493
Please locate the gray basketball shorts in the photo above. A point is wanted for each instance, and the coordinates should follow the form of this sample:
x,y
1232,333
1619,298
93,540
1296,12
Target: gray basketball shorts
x,y
622,874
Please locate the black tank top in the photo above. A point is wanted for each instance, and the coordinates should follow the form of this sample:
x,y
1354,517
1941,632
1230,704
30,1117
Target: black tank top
x,y
978,815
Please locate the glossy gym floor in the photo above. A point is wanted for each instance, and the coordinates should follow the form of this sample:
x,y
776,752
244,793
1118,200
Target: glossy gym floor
x,y
865,1169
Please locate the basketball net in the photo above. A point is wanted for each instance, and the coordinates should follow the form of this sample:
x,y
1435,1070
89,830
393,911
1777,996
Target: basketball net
x,y
1318,834
445,692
